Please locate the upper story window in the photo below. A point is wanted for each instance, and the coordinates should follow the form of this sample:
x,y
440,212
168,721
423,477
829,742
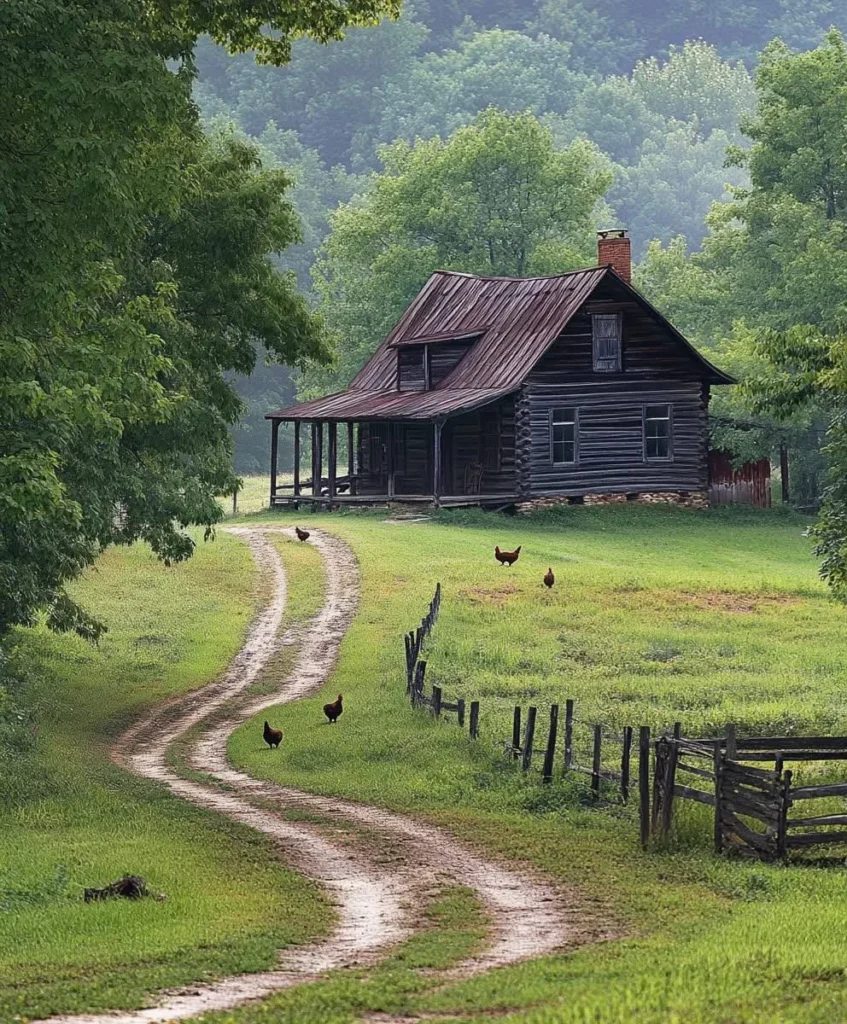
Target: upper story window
x,y
607,337
658,432
563,437
412,368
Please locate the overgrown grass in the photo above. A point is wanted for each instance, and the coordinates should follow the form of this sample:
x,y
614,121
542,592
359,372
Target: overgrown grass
x,y
71,819
657,615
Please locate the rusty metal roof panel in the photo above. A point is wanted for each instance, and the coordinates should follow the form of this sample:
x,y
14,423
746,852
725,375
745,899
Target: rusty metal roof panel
x,y
518,318
389,405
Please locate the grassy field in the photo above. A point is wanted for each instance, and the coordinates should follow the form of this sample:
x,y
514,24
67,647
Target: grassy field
x,y
657,615
69,819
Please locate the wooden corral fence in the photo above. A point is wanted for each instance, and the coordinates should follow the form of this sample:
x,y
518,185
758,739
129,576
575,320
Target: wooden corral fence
x,y
752,805
749,485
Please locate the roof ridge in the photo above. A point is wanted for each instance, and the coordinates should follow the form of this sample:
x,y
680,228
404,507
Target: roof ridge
x,y
505,277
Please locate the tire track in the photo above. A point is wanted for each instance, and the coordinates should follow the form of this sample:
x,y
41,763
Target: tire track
x,y
377,906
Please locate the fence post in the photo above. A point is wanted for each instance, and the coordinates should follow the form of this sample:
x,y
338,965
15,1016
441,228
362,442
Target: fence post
x,y
474,724
595,763
731,743
568,735
718,766
644,783
784,804
436,701
658,777
625,755
516,733
677,730
528,737
418,683
409,662
460,712
670,782
550,752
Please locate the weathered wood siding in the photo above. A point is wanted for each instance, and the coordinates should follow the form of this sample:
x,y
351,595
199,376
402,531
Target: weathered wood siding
x,y
655,370
443,357
412,458
465,445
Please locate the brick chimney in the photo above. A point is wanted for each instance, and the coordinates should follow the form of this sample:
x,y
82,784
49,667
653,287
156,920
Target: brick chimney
x,y
614,249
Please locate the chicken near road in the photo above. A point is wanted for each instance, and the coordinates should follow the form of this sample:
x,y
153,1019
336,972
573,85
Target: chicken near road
x,y
273,737
302,534
333,710
507,557
549,579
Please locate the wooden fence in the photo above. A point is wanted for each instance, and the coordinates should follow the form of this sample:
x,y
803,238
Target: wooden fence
x,y
530,742
751,804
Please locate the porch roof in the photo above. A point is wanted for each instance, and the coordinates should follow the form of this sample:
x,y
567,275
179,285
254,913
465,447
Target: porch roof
x,y
390,405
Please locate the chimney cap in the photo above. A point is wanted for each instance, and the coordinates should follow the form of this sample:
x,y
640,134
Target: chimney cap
x,y
613,233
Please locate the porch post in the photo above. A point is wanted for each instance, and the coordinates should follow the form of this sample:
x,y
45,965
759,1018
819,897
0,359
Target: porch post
x,y
274,453
296,458
317,457
390,459
351,456
332,455
436,460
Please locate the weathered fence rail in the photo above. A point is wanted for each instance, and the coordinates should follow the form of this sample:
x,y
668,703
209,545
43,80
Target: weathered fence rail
x,y
751,805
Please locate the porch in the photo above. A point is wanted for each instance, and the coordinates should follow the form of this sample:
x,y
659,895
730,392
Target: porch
x,y
464,460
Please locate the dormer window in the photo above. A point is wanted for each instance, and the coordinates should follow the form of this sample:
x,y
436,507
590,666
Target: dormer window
x,y
412,368
425,362
607,337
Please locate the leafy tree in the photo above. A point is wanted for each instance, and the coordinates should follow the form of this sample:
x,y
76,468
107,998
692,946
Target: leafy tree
x,y
331,96
508,70
268,28
495,198
772,275
135,273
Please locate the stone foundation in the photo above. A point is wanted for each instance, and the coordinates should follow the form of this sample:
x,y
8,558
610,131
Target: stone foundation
x,y
684,499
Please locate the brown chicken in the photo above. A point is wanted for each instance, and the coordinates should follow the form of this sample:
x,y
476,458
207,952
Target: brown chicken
x,y
302,534
507,557
333,710
273,737
549,578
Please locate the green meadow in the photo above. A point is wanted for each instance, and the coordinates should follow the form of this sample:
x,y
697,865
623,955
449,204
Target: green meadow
x,y
657,615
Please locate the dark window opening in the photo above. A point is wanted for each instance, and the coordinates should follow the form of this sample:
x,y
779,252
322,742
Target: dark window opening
x,y
657,432
489,440
411,369
606,335
563,437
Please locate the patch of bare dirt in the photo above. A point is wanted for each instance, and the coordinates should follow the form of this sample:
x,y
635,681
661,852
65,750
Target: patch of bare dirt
x,y
498,596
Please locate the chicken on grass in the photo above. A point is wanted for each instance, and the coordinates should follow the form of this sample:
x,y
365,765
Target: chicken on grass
x,y
507,557
333,710
549,579
302,534
273,737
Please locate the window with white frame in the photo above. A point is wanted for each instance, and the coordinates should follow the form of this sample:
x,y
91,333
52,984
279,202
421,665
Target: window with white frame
x,y
563,426
658,432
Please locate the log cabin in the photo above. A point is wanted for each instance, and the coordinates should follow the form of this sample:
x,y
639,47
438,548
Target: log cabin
x,y
503,392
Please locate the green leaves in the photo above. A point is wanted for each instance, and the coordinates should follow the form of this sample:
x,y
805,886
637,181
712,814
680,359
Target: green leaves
x,y
136,276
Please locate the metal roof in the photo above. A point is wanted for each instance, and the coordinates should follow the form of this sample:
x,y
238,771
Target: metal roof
x,y
516,320
390,404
